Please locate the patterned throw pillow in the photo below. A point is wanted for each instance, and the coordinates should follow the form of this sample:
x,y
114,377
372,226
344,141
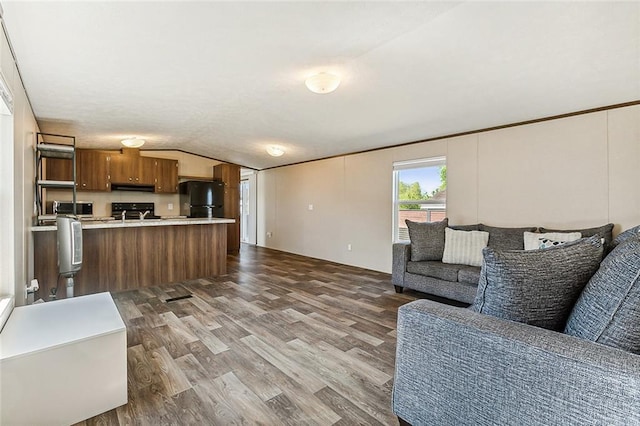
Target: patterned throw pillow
x,y
546,243
427,239
537,287
464,247
532,239
604,231
608,310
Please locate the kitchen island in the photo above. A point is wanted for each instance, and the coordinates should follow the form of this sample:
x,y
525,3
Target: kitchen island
x,y
121,255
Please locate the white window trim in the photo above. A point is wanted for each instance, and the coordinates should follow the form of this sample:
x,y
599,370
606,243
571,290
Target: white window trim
x,y
404,165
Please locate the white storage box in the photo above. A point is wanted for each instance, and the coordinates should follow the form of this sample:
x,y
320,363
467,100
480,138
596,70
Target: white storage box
x,y
62,362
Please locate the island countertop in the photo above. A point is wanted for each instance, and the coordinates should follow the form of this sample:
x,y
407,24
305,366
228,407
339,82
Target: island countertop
x,y
136,253
135,223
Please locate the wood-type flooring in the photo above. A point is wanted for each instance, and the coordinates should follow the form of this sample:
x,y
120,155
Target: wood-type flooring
x,y
281,339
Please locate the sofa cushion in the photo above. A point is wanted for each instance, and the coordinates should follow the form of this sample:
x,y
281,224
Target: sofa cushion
x,y
434,269
469,275
464,247
533,240
537,287
623,236
427,239
604,231
506,238
608,311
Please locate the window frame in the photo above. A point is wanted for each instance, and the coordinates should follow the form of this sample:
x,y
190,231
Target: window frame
x,y
406,165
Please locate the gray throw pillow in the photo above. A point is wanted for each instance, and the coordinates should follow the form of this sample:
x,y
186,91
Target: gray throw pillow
x,y
427,239
506,238
604,231
608,310
537,287
623,236
475,227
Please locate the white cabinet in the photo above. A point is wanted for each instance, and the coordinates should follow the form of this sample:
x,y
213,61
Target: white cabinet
x,y
62,362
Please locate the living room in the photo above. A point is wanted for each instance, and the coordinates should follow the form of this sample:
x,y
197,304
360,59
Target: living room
x,y
552,140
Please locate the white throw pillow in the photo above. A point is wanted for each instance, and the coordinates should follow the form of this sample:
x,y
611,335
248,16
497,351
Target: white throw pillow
x,y
532,239
464,247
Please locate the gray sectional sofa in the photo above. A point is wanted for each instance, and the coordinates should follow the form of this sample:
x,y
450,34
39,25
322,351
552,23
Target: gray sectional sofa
x,y
473,366
418,265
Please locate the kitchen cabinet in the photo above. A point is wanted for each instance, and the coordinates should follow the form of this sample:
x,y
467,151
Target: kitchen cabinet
x,y
92,170
130,167
123,168
166,176
146,171
59,169
230,175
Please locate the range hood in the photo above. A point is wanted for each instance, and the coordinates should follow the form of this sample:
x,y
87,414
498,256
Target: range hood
x,y
131,187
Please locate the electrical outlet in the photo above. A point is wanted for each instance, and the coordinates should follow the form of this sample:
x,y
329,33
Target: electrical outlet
x,y
269,234
310,206
349,247
170,206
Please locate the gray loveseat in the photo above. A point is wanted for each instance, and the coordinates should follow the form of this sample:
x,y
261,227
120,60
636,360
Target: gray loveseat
x,y
429,274
455,366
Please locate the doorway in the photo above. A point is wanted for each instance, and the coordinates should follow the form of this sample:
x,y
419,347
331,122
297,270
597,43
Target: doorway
x,y
248,204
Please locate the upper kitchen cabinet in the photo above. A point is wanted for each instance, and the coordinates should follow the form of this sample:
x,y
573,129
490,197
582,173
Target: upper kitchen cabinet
x,y
166,175
130,168
146,171
92,170
124,168
59,169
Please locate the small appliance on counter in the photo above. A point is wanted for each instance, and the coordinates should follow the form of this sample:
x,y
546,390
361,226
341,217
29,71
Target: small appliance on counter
x,y
133,211
69,237
201,198
83,208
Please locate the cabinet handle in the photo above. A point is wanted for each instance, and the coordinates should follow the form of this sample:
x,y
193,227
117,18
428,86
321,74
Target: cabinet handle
x,y
130,178
137,179
84,184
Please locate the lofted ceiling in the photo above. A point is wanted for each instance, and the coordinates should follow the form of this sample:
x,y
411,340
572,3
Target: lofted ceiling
x,y
225,79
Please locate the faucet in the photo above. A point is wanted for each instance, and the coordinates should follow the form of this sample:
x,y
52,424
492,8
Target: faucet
x,y
142,215
123,213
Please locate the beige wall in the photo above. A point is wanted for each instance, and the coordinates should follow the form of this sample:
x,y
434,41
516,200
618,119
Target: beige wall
x,y
573,172
188,165
18,139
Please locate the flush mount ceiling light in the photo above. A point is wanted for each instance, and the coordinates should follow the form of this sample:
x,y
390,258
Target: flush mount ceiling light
x,y
133,142
323,83
275,150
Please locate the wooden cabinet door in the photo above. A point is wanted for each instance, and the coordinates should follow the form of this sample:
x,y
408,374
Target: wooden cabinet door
x,y
58,169
166,175
230,175
123,168
146,171
92,170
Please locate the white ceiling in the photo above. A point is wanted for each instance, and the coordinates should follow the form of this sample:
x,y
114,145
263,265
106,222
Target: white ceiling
x,y
224,79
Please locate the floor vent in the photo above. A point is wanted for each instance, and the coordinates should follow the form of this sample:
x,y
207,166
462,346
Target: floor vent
x,y
173,299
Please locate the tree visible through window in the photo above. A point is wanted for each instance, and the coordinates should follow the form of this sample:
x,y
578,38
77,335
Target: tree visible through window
x,y
420,193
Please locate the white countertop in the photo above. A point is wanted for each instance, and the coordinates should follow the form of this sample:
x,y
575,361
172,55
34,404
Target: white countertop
x,y
42,326
138,223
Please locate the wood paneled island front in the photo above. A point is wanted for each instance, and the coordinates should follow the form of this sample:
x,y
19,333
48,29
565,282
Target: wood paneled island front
x,y
132,254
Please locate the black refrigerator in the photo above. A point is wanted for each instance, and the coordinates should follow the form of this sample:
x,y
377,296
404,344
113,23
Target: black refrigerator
x,y
202,198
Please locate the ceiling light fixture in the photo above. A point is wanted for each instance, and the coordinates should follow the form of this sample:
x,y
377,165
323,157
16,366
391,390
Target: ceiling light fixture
x,y
323,83
133,142
275,150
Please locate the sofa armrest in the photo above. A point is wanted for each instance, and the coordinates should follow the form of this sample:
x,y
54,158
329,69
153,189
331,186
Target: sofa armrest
x,y
401,255
458,367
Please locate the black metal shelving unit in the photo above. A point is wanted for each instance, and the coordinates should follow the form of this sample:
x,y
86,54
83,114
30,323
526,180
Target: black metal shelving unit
x,y
49,145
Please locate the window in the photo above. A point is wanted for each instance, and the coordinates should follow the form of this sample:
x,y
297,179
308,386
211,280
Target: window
x,y
419,194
